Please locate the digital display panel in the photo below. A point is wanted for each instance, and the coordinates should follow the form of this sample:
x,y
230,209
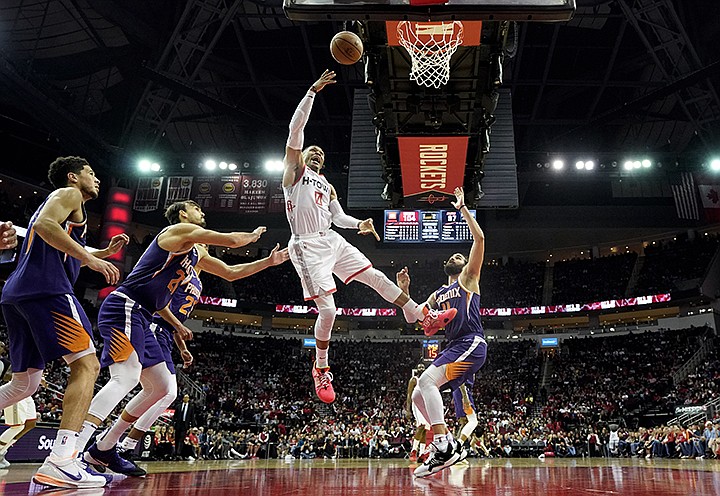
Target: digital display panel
x,y
426,226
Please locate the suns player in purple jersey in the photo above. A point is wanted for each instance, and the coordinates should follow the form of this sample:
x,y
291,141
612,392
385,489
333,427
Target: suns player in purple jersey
x,y
177,312
45,321
466,348
318,252
130,350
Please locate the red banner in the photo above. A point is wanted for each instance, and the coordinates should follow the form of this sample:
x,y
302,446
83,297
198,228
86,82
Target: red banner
x,y
432,163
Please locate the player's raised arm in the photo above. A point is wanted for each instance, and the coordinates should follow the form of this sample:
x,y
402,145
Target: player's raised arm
x,y
471,271
181,237
293,150
217,267
345,221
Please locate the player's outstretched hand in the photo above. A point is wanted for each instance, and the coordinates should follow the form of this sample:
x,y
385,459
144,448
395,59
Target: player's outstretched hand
x,y
187,358
367,227
258,232
278,256
328,77
459,198
403,279
8,240
116,243
108,270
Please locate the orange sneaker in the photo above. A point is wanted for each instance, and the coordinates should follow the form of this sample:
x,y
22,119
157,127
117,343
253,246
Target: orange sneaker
x,y
323,383
435,320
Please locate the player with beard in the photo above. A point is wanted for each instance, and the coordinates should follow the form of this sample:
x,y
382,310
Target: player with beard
x,y
466,348
318,252
131,350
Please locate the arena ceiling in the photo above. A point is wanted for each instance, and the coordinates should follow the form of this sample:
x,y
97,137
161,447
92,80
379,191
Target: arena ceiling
x,y
115,78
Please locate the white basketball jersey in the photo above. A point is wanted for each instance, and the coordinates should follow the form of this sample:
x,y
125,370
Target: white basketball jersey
x,y
307,203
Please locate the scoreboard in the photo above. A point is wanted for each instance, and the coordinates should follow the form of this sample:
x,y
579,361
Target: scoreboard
x,y
426,226
431,349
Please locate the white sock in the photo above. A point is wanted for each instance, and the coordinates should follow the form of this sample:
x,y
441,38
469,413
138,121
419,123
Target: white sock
x,y
421,448
65,443
128,443
113,435
87,431
321,358
415,444
412,311
441,441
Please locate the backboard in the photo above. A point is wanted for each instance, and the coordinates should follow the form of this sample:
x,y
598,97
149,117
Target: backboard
x,y
429,10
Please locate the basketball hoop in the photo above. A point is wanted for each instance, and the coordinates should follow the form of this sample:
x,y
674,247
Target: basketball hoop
x,y
431,45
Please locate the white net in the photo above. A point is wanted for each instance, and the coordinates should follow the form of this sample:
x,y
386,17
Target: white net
x,y
431,46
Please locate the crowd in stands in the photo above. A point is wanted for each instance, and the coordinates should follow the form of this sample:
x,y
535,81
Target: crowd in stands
x,y
669,263
665,267
588,280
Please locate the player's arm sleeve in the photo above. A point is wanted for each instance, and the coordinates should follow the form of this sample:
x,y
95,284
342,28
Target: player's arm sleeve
x,y
341,219
298,121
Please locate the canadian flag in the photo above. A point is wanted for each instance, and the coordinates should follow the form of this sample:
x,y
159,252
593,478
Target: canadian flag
x,y
710,195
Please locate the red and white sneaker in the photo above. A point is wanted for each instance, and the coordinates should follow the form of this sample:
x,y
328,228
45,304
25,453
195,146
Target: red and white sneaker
x,y
435,320
413,456
323,383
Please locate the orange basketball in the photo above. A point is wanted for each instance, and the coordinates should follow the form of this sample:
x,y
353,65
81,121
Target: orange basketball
x,y
346,47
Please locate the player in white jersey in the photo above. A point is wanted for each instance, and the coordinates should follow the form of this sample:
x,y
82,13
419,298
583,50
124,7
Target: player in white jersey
x,y
422,426
318,252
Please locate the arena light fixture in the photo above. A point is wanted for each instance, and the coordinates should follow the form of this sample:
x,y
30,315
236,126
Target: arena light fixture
x,y
155,167
628,165
223,165
210,164
274,165
579,165
715,164
589,165
558,165
637,164
646,164
232,166
144,165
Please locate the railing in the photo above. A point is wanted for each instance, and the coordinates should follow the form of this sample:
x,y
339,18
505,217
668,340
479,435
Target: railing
x,y
192,387
693,362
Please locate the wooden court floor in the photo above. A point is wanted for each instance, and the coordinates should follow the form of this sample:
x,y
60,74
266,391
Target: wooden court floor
x,y
394,477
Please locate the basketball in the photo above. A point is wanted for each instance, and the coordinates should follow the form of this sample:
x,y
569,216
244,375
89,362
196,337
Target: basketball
x,y
346,48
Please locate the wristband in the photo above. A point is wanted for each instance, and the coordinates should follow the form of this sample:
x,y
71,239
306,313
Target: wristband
x,y
358,226
312,88
461,207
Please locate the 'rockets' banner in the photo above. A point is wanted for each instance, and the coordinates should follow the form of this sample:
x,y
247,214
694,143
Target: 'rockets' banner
x,y
432,167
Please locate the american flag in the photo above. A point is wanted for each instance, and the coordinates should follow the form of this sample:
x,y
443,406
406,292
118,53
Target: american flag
x,y
686,204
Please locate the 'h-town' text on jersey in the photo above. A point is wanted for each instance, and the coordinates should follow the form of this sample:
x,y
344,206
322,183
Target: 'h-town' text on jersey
x,y
307,203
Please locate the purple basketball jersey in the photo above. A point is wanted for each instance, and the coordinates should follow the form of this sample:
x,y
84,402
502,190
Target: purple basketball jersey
x,y
467,321
158,275
43,270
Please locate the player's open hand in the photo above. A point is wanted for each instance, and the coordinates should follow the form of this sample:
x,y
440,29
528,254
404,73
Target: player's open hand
x,y
108,270
116,243
278,256
8,239
459,198
367,227
328,77
403,279
258,232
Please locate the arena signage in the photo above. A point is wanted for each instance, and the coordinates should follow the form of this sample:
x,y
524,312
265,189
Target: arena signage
x,y
33,446
218,302
355,312
432,163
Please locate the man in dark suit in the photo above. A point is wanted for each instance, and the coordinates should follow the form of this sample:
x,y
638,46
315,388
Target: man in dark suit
x,y
183,419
